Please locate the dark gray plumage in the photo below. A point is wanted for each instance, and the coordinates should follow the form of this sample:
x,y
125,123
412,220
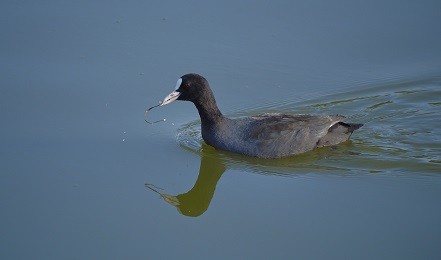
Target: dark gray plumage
x,y
271,135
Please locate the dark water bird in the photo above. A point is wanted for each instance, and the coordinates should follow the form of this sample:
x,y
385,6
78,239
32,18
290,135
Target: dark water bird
x,y
270,135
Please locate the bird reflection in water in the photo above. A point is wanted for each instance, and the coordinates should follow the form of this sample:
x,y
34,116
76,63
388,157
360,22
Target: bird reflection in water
x,y
196,201
214,163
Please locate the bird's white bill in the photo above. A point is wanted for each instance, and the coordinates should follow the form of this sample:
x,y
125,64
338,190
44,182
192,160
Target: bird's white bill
x,y
170,98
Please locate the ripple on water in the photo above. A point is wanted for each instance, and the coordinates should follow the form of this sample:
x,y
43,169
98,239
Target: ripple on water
x,y
401,135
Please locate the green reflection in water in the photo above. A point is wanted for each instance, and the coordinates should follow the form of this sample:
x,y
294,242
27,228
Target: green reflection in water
x,y
214,163
196,201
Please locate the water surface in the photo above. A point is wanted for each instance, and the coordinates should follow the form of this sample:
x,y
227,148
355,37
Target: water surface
x,y
76,154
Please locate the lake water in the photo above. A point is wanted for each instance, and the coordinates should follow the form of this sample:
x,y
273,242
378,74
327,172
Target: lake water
x,y
82,176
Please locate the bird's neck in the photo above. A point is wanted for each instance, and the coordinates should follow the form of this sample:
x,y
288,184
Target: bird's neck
x,y
209,113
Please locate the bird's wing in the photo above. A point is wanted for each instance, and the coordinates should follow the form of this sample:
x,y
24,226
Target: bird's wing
x,y
288,132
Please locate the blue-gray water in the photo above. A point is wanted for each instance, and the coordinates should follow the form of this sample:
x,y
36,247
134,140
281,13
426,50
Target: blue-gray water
x,y
76,154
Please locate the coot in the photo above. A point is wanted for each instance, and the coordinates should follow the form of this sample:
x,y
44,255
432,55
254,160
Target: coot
x,y
270,135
